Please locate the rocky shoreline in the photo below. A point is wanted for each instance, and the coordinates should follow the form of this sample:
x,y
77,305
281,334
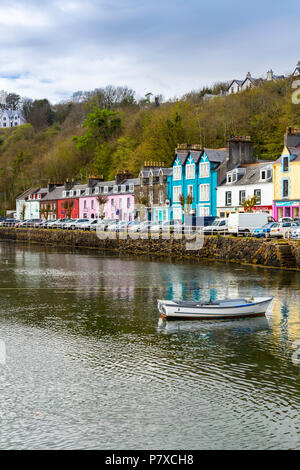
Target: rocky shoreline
x,y
282,254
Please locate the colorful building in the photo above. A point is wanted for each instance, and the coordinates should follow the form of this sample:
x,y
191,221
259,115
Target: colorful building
x,y
241,184
286,178
153,191
198,171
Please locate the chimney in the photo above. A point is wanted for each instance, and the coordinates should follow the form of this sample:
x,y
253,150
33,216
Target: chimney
x,y
51,187
93,180
68,185
270,75
121,176
292,137
248,75
240,151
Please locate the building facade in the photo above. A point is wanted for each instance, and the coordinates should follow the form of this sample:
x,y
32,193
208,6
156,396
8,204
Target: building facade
x,y
286,170
241,184
10,118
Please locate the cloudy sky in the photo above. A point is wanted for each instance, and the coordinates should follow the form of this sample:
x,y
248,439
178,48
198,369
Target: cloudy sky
x,y
52,48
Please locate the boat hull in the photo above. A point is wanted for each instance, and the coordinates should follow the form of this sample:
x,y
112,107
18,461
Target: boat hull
x,y
172,310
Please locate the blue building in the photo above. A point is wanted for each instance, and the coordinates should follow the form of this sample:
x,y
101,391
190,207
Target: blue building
x,y
198,171
195,173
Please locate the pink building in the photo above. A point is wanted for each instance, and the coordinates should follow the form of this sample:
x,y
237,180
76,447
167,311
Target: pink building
x,y
119,204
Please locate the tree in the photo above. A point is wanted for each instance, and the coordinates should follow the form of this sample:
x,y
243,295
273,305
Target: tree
x,y
249,204
13,101
102,200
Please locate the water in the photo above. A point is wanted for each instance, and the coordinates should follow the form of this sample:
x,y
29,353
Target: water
x,y
85,362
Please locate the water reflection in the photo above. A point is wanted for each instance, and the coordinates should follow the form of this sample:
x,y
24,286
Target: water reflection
x,y
85,325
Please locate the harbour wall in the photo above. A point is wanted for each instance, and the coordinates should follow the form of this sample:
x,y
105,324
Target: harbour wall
x,y
283,254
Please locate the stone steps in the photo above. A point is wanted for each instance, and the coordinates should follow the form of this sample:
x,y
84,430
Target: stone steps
x,y
285,255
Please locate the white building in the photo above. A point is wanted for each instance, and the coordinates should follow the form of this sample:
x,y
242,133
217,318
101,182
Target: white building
x,y
28,203
10,118
296,72
241,184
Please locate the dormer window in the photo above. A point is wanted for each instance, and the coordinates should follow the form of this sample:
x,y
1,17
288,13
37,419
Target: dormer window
x,y
105,189
97,190
263,175
71,193
78,192
151,179
64,193
229,178
131,188
115,189
123,188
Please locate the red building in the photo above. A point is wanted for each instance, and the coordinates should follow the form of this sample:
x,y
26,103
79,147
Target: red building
x,y
68,208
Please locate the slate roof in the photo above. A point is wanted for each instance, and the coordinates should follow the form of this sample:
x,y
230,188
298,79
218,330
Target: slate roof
x,y
292,151
252,174
216,155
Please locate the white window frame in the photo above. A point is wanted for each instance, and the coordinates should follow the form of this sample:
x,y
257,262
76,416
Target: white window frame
x,y
204,192
131,188
204,169
190,189
177,191
177,172
105,189
190,171
115,189
203,211
123,188
97,190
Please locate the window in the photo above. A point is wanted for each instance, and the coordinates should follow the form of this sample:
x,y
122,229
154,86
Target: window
x,y
131,188
128,203
151,198
115,190
190,190
106,189
85,204
285,163
177,173
204,170
285,188
269,174
190,171
177,213
228,198
176,193
78,192
203,211
71,193
229,178
161,197
242,197
257,193
120,203
204,192
263,175
123,188
112,202
92,204
97,190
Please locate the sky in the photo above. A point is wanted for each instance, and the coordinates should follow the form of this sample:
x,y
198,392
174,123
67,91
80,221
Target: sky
x,y
53,48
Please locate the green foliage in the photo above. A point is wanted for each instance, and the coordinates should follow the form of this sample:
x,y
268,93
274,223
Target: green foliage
x,y
106,130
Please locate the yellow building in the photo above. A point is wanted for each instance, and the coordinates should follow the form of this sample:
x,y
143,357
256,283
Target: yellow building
x,y
286,178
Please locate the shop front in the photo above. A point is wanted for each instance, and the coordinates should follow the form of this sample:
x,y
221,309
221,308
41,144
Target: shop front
x,y
286,209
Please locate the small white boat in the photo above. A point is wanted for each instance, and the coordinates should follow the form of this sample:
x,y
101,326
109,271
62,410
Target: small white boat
x,y
235,308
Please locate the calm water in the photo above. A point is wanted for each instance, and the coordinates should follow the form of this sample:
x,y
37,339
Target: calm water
x,y
88,365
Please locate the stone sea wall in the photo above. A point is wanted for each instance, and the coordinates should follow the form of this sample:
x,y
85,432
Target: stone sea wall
x,y
275,253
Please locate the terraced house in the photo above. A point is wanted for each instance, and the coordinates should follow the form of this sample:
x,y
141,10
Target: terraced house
x,y
196,172
286,177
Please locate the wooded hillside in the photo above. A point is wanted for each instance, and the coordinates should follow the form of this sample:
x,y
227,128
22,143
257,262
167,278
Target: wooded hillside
x,y
98,132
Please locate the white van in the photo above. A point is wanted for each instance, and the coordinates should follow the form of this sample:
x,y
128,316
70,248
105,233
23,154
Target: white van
x,y
218,226
245,222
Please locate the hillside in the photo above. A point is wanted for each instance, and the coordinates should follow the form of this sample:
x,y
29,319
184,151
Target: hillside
x,y
108,130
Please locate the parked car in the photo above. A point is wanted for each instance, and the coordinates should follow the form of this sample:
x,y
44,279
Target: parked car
x,y
168,226
57,223
65,224
10,222
281,229
218,226
29,223
263,231
295,232
74,225
95,224
83,225
244,223
286,219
